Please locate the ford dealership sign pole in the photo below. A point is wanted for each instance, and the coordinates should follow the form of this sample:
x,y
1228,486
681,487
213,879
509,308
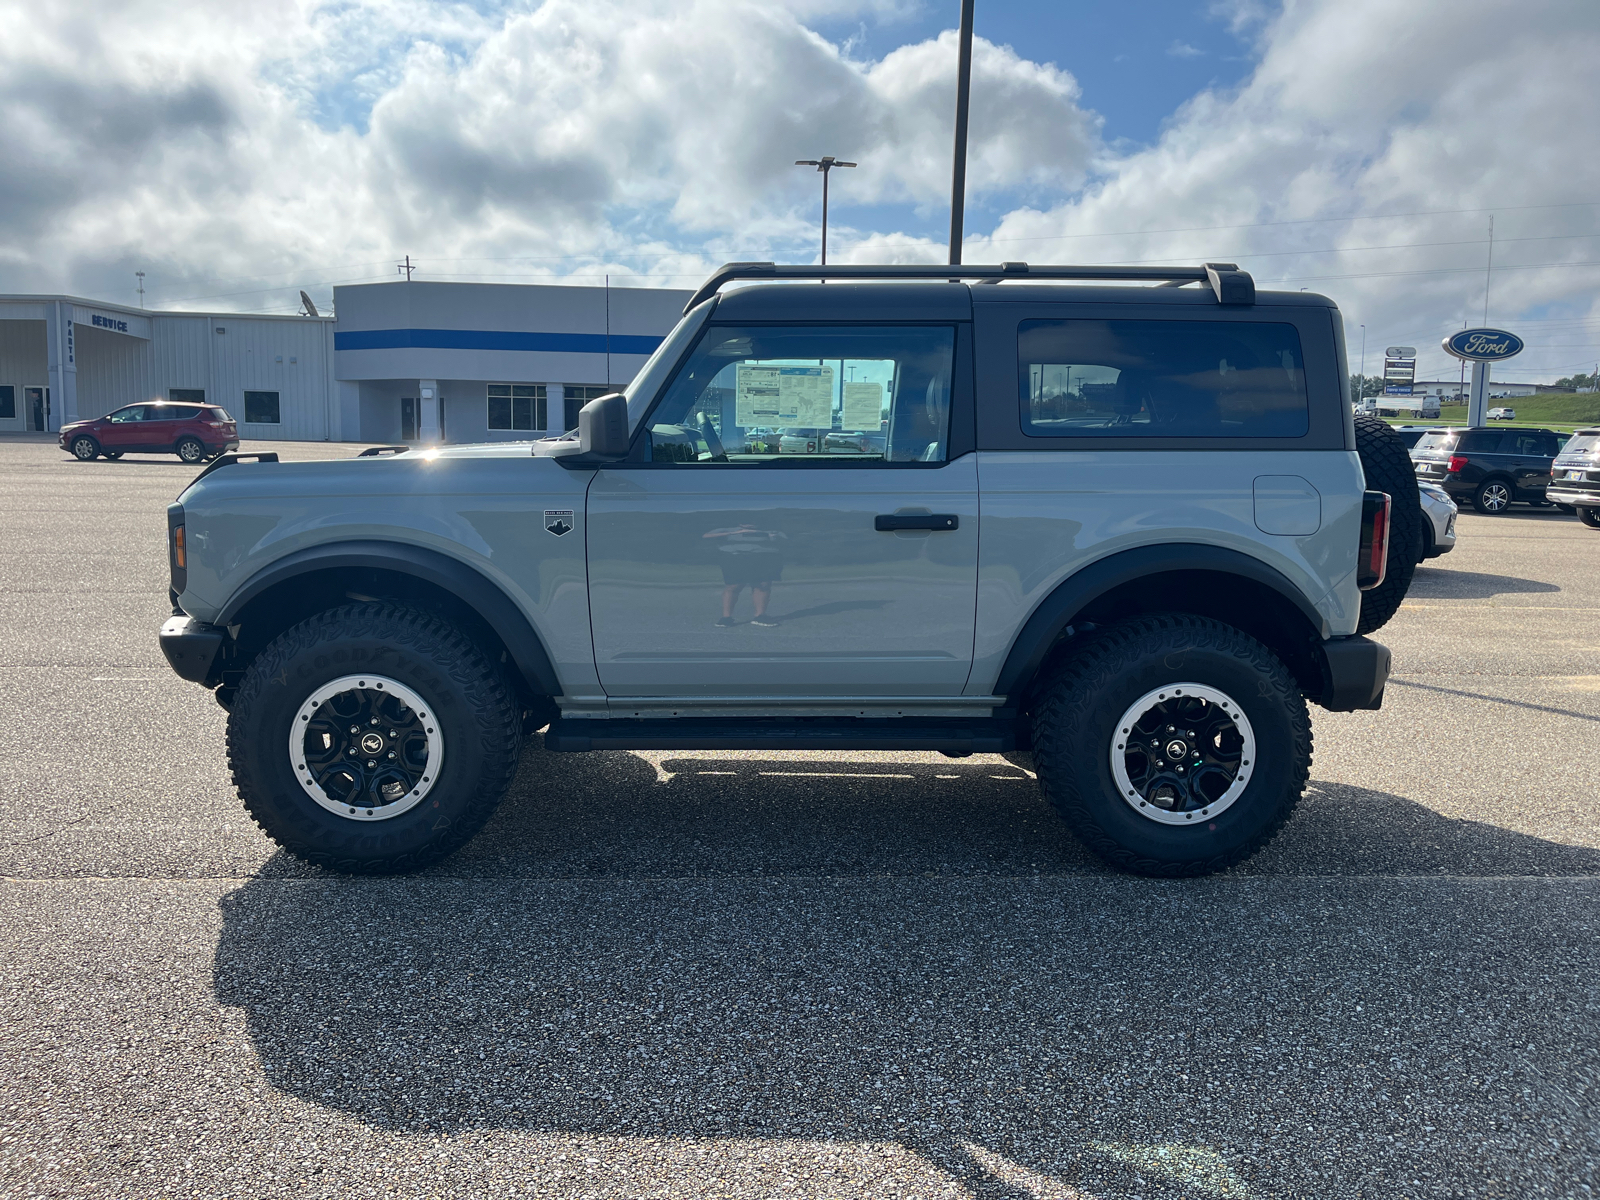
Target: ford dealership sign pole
x,y
1480,347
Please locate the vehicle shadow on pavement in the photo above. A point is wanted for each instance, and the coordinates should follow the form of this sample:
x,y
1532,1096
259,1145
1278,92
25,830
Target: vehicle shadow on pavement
x,y
1441,583
821,956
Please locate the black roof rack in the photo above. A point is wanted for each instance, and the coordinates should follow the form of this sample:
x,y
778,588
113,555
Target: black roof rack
x,y
1231,285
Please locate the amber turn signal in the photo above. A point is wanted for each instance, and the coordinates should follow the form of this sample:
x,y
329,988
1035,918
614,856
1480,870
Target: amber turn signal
x,y
178,556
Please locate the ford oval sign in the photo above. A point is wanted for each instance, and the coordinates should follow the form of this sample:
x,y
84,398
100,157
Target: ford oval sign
x,y
1483,345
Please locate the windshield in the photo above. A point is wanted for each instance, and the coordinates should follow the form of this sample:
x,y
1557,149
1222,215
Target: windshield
x,y
654,373
1438,441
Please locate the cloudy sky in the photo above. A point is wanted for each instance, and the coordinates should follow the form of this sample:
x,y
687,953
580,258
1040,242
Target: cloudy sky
x,y
239,152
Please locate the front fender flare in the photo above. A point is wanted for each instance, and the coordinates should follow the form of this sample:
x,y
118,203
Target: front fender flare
x,y
467,584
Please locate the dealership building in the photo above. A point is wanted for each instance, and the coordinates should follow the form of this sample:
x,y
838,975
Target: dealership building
x,y
398,362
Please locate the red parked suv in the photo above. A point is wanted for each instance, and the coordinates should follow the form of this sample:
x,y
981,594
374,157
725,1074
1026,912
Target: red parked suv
x,y
194,432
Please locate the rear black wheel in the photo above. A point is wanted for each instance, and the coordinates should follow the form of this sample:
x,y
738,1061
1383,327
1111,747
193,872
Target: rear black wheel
x,y
1590,517
1387,465
191,450
85,448
372,738
1493,497
1172,745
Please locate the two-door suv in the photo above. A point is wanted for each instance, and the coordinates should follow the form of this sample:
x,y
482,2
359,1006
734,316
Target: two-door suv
x,y
194,432
1489,467
1125,528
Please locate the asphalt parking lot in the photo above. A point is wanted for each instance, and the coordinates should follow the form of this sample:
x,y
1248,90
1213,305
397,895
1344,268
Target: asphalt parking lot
x,y
795,974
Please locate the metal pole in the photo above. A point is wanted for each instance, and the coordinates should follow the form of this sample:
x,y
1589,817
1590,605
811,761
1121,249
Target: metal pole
x,y
1363,375
958,178
1478,406
825,174
1488,271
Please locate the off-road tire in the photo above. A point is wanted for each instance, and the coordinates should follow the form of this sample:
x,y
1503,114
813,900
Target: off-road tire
x,y
477,713
1388,467
1590,517
191,450
85,448
1075,720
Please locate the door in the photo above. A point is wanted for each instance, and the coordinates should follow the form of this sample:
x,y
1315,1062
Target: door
x,y
408,418
788,524
37,401
121,429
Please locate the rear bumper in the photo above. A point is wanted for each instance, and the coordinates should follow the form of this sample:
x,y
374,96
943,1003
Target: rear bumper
x,y
1586,497
1354,672
191,647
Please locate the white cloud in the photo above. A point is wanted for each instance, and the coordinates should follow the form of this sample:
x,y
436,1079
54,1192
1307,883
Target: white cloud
x,y
201,148
1364,107
228,148
1184,50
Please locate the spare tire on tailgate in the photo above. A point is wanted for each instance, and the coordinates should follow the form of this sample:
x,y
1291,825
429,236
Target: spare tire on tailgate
x,y
1388,468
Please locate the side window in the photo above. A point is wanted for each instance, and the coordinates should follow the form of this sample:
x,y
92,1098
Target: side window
x,y
1479,442
187,395
1092,378
764,394
261,408
181,412
517,406
134,412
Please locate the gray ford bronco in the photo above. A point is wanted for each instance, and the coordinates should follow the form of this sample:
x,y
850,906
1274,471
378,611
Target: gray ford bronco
x,y
1129,529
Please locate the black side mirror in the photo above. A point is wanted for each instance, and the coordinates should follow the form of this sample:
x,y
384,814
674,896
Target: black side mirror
x,y
603,427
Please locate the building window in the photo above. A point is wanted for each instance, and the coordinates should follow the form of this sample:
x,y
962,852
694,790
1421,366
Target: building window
x,y
576,395
187,395
261,408
8,401
517,406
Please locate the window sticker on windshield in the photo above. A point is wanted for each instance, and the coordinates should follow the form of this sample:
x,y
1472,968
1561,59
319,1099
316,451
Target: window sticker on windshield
x,y
863,406
795,396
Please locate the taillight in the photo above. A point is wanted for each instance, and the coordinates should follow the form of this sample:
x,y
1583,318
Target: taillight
x,y
178,556
1458,462
1373,561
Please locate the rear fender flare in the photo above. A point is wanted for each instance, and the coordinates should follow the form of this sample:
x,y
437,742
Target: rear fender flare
x,y
1080,589
467,584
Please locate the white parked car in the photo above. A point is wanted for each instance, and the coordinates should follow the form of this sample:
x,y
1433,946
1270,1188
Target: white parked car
x,y
1502,414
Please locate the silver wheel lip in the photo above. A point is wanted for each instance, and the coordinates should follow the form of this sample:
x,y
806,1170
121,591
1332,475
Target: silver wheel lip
x,y
380,683
1119,768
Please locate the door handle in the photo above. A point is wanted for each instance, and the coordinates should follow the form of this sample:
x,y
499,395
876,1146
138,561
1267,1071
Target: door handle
x,y
890,522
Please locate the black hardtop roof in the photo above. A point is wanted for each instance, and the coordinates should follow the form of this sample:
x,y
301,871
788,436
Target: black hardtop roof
x,y
944,301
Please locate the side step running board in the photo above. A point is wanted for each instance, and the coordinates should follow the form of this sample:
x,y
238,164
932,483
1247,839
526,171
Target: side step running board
x,y
952,735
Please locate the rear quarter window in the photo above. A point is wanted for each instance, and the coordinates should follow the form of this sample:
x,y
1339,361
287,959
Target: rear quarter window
x,y
1145,378
1483,441
1435,443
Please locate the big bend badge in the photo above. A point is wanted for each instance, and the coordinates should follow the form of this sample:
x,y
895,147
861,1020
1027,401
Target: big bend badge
x,y
558,520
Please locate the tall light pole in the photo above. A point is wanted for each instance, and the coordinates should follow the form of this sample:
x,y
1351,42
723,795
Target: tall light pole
x,y
824,164
958,175
1363,376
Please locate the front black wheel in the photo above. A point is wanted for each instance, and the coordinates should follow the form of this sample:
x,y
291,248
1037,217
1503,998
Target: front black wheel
x,y
1172,745
372,738
191,450
1493,497
1590,517
85,448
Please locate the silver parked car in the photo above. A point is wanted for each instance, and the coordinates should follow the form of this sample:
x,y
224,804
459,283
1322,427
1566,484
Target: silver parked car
x,y
1438,521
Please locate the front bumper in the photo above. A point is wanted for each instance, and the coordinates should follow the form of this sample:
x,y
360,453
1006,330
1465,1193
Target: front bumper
x,y
192,647
1354,672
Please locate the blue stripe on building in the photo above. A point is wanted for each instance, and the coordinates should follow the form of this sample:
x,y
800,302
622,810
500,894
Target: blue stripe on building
x,y
488,339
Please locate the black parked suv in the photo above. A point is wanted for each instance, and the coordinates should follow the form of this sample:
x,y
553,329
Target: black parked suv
x,y
1490,467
